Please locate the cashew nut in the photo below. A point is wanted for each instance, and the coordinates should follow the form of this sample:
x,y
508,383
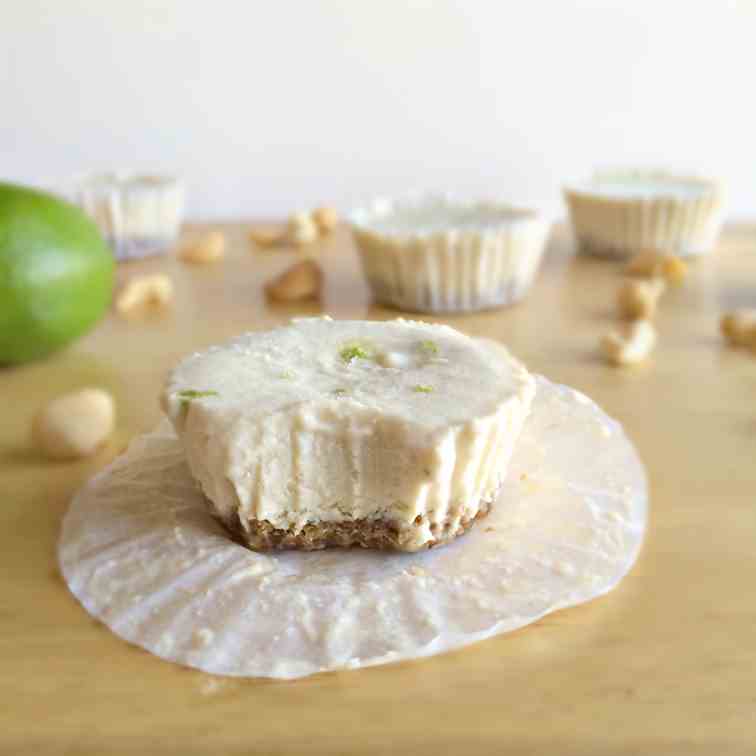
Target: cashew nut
x,y
739,327
302,229
154,290
75,425
326,219
639,299
303,280
209,248
632,345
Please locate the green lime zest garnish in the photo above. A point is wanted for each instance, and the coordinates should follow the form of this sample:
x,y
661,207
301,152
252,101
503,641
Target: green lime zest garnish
x,y
188,395
288,374
355,351
339,392
428,347
421,388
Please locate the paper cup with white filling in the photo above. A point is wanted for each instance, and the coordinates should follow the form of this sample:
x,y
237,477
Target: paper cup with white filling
x,y
437,254
139,215
618,214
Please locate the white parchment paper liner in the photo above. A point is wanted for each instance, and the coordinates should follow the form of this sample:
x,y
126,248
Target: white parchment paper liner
x,y
141,553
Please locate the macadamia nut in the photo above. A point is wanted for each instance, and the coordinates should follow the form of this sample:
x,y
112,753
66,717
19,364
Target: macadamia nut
x,y
74,425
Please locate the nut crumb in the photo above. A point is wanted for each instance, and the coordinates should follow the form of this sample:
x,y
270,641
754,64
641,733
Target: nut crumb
x,y
564,568
202,637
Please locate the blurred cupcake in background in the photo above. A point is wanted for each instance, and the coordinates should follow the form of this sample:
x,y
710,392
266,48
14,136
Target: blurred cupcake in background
x,y
618,214
433,253
138,215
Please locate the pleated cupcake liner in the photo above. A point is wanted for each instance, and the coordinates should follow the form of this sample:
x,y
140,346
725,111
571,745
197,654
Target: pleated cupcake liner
x,y
621,228
454,270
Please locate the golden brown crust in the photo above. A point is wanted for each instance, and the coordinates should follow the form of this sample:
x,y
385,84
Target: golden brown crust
x,y
261,535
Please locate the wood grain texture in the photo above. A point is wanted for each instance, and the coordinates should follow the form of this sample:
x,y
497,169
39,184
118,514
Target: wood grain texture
x,y
665,664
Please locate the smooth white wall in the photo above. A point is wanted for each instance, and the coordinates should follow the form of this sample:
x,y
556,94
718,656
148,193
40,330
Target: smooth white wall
x,y
268,105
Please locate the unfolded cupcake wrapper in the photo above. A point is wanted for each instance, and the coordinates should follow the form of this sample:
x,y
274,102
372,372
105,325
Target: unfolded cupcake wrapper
x,y
143,555
621,228
453,271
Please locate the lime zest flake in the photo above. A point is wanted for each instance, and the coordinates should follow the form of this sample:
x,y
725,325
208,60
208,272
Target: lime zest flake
x,y
339,392
188,395
422,388
288,374
354,350
428,347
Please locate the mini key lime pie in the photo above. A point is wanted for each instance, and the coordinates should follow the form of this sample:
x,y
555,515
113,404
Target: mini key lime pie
x,y
619,214
390,435
395,436
437,254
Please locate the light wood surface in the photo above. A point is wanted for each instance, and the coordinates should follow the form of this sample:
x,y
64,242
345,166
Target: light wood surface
x,y
666,664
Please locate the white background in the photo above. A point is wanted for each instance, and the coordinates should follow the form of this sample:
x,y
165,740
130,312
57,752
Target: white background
x,y
268,105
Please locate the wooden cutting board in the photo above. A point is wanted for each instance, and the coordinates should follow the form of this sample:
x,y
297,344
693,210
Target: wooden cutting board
x,y
666,664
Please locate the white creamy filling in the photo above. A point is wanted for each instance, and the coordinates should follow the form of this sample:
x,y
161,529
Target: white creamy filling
x,y
293,428
431,215
645,188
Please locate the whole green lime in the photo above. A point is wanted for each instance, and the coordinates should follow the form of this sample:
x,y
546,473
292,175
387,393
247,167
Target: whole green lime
x,y
56,273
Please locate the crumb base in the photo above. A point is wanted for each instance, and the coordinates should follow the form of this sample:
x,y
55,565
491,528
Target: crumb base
x,y
383,535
